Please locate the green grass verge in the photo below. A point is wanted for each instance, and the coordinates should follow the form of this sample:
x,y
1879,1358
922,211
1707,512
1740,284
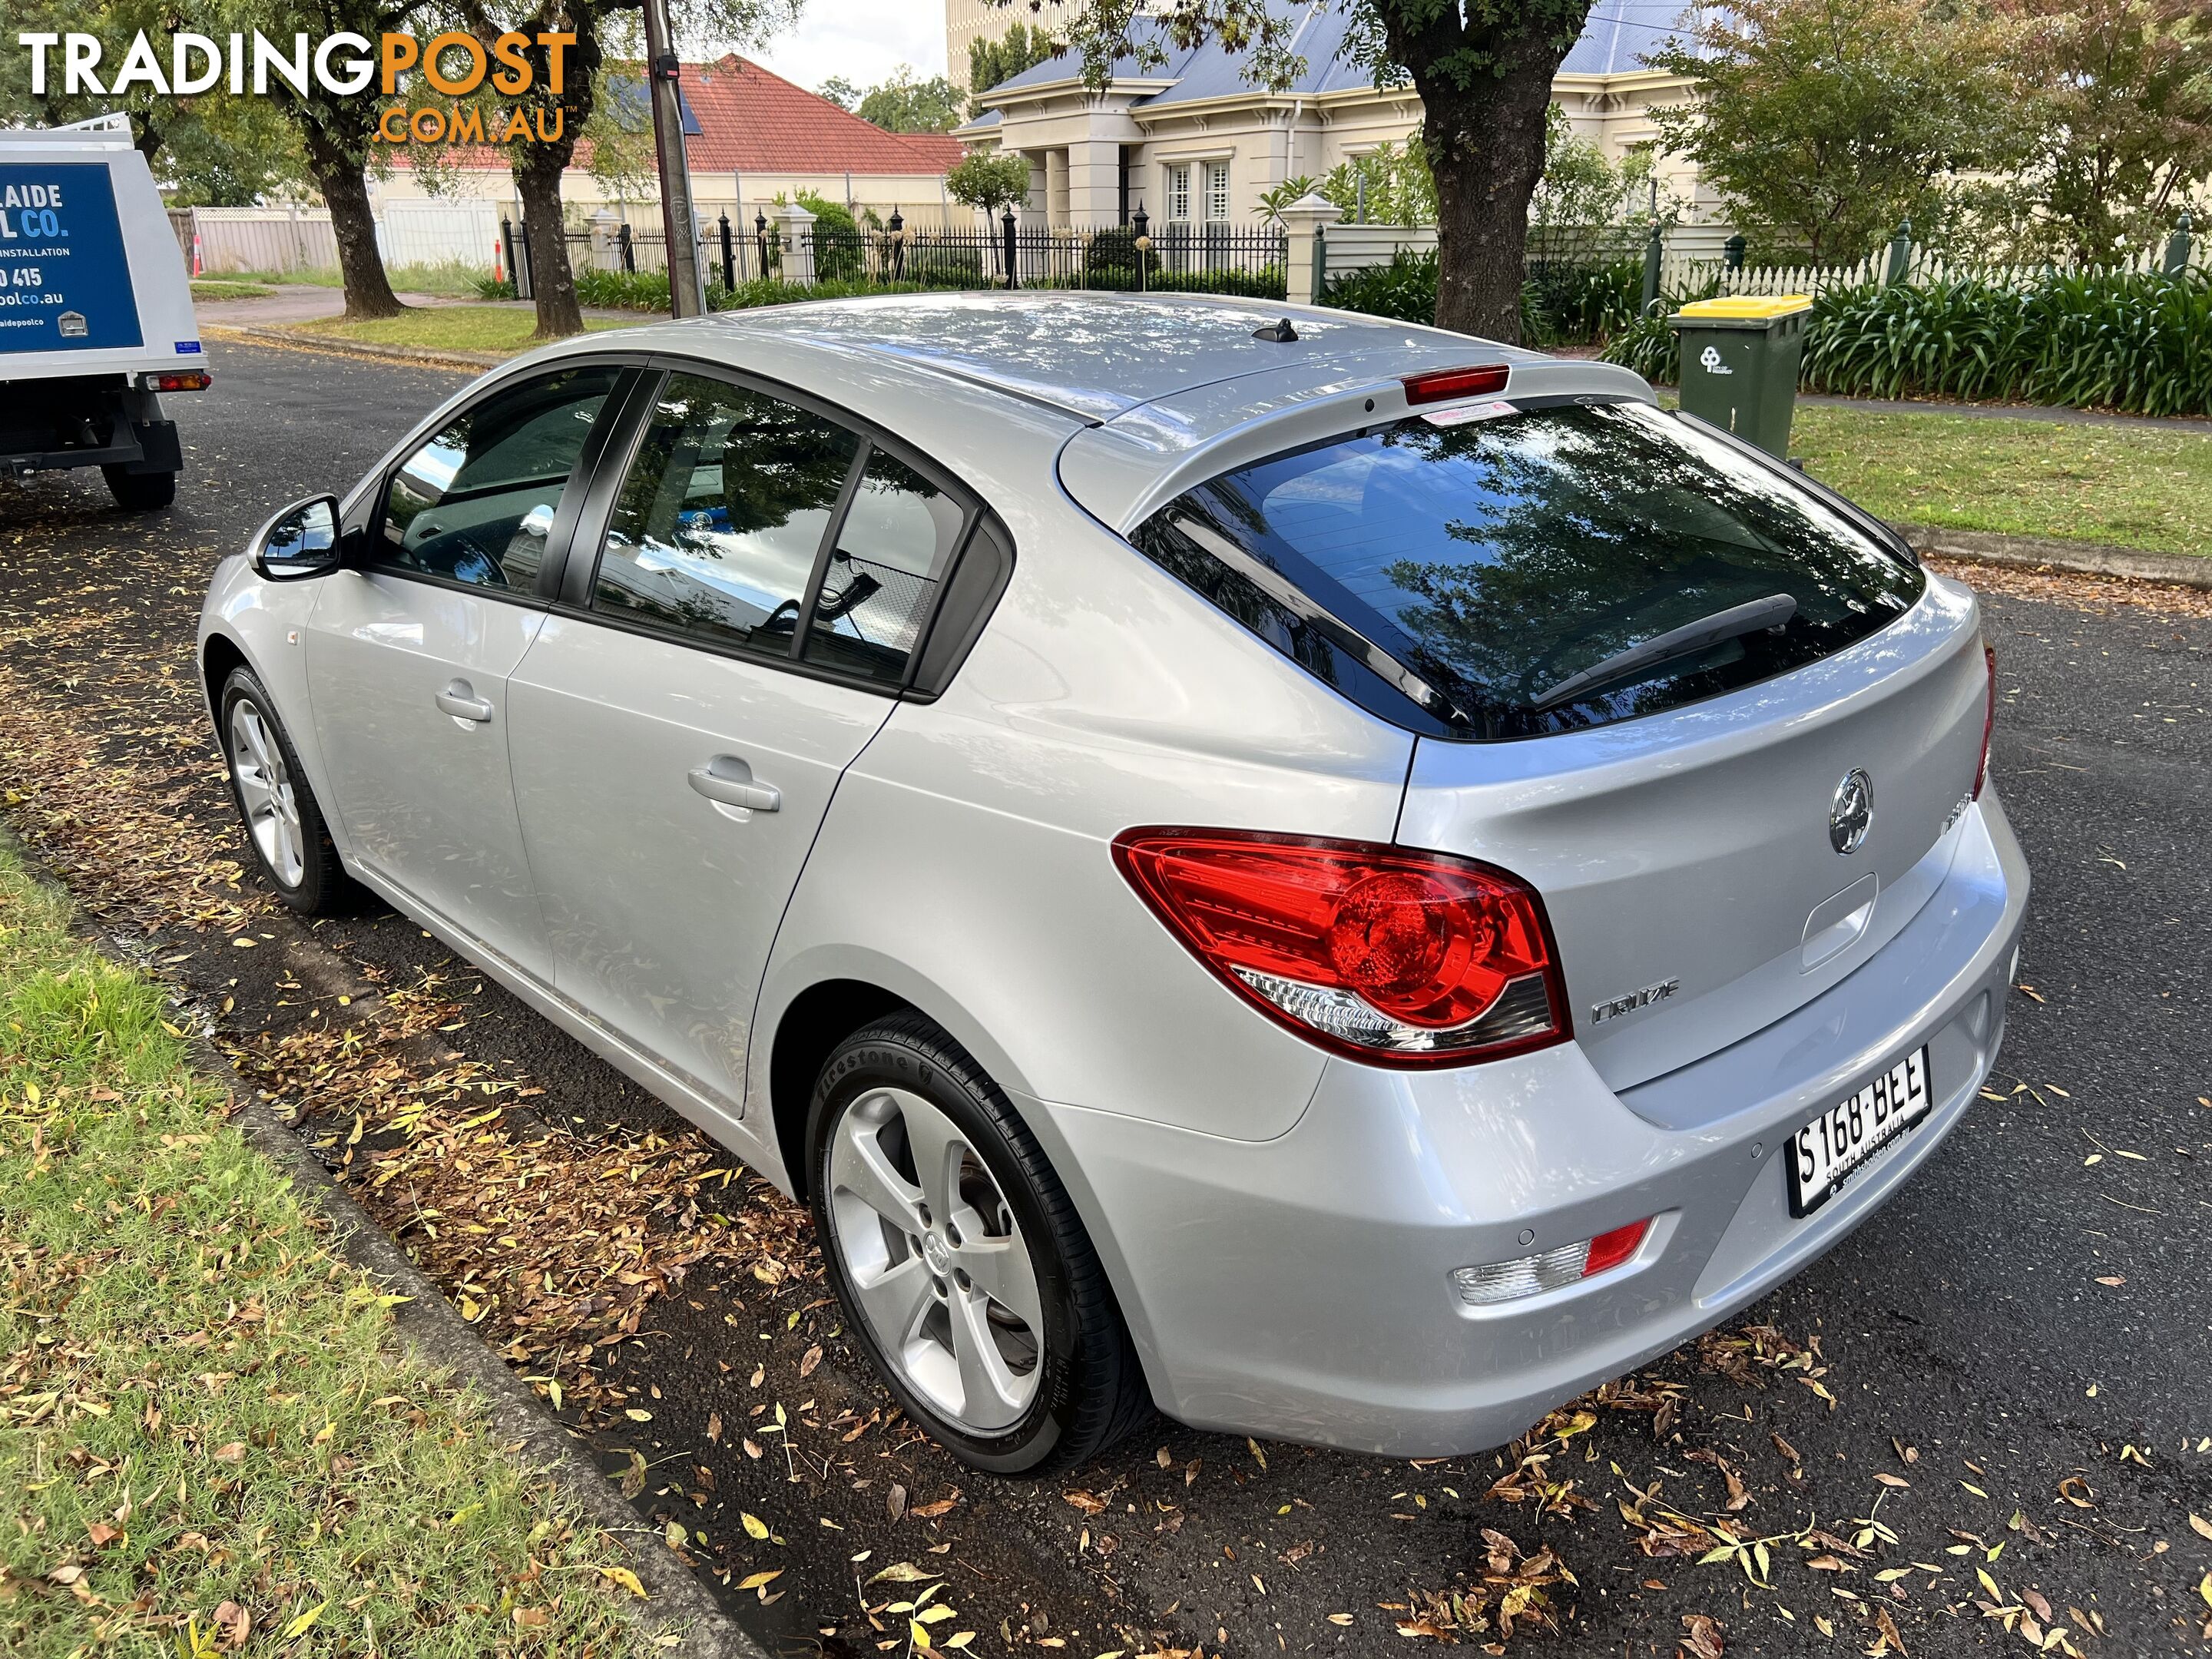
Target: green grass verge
x,y
450,328
205,290
210,1437
2128,486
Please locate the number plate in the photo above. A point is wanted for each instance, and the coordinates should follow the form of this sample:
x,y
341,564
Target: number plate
x,y
1835,1145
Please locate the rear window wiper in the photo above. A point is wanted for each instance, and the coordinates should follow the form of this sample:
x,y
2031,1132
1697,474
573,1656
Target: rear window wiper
x,y
1772,611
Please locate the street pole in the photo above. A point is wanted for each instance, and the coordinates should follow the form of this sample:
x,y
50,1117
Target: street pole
x,y
687,293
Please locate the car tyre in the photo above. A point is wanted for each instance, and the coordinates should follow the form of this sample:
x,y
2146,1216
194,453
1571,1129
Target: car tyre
x,y
964,1273
284,826
140,492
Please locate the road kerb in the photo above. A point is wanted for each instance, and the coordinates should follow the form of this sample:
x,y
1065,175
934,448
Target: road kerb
x,y
2048,553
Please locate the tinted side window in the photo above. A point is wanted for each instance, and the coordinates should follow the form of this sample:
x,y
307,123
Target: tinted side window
x,y
476,503
892,549
718,524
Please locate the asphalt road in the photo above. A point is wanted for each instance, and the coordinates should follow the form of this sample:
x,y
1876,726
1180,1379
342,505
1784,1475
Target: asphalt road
x,y
2022,1334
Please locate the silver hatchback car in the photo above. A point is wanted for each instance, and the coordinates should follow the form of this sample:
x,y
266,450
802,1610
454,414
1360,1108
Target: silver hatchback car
x,y
1336,879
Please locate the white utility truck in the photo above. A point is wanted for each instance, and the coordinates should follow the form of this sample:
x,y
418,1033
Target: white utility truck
x,y
96,311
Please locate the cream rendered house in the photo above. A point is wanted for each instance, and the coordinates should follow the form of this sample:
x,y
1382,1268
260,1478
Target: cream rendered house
x,y
1192,141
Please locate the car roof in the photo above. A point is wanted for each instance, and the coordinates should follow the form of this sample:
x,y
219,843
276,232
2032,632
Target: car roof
x,y
1098,356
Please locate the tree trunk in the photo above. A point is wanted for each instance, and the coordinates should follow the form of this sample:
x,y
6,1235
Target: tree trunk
x,y
538,180
1485,145
345,192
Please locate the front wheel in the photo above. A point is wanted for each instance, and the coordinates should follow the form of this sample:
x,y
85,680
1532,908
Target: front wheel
x,y
140,492
964,1270
284,823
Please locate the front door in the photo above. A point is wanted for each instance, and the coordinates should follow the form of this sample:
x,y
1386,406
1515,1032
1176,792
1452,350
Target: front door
x,y
677,740
409,655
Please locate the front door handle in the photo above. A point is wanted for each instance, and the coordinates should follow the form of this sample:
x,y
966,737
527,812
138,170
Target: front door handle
x,y
728,782
459,700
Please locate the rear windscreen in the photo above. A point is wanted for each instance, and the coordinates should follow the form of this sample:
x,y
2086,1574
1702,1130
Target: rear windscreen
x,y
1472,574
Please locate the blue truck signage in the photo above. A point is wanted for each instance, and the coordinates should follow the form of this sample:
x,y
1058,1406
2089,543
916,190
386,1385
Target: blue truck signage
x,y
65,284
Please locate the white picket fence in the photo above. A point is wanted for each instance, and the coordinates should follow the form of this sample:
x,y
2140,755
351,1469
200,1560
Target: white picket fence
x,y
290,239
1348,247
1679,274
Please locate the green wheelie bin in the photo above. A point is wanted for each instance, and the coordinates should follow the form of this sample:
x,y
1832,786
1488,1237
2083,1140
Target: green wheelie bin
x,y
1740,360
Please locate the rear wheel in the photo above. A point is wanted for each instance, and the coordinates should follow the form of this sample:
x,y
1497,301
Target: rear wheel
x,y
964,1270
140,492
284,825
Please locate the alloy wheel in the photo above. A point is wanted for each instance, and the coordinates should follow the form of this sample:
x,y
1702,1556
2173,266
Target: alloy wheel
x,y
935,1259
264,789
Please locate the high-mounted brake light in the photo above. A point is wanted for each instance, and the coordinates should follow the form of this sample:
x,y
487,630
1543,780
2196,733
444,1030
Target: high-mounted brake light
x,y
1393,957
1441,383
196,379
1988,719
1548,1270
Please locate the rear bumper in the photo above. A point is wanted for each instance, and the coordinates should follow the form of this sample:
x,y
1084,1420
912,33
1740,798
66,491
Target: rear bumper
x,y
1300,1288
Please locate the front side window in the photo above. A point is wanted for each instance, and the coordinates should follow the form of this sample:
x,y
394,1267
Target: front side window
x,y
718,525
1487,573
476,503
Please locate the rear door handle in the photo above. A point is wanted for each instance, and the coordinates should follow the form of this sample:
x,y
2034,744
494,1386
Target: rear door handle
x,y
728,780
459,700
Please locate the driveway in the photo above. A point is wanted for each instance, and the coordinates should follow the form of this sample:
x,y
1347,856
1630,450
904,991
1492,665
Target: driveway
x,y
1983,1419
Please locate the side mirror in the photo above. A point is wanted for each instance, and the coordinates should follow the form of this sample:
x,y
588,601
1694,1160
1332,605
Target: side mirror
x,y
301,541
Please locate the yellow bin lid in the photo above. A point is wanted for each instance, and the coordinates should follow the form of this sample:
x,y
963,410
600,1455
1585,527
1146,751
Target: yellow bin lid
x,y
1747,308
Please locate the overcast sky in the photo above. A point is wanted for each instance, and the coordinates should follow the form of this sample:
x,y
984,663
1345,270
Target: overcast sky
x,y
863,41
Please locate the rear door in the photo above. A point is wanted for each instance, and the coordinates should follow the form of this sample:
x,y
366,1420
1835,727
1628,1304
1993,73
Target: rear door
x,y
721,653
409,653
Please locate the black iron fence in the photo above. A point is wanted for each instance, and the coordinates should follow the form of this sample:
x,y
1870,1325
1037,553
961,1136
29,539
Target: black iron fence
x,y
1202,258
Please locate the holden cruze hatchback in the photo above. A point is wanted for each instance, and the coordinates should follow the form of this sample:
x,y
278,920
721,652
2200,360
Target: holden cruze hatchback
x,y
1336,879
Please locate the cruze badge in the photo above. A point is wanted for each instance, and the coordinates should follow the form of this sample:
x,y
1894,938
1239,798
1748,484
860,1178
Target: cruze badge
x,y
1601,1011
1852,814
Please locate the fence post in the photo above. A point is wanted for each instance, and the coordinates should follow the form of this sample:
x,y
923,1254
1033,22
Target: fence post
x,y
1900,254
1140,222
729,253
795,228
622,243
760,241
513,265
896,227
2177,245
1655,251
1006,236
1304,222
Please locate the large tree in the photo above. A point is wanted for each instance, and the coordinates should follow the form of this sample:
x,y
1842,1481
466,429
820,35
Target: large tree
x,y
600,37
1823,122
1483,69
336,129
2121,106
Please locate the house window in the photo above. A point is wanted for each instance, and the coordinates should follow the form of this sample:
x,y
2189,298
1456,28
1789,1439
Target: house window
x,y
1217,190
1179,192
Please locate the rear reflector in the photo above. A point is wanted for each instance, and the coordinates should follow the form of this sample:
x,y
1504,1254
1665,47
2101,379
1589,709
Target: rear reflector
x,y
1569,1264
1988,719
195,380
1390,956
1437,385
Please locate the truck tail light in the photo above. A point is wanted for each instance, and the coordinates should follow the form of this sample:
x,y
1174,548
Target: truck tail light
x,y
1393,957
187,380
1988,719
1531,1275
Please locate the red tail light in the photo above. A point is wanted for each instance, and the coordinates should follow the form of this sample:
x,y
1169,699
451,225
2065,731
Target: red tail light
x,y
1398,958
1988,719
1437,385
194,379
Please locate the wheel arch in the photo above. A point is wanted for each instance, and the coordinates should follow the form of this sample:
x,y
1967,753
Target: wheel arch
x,y
812,1024
219,658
